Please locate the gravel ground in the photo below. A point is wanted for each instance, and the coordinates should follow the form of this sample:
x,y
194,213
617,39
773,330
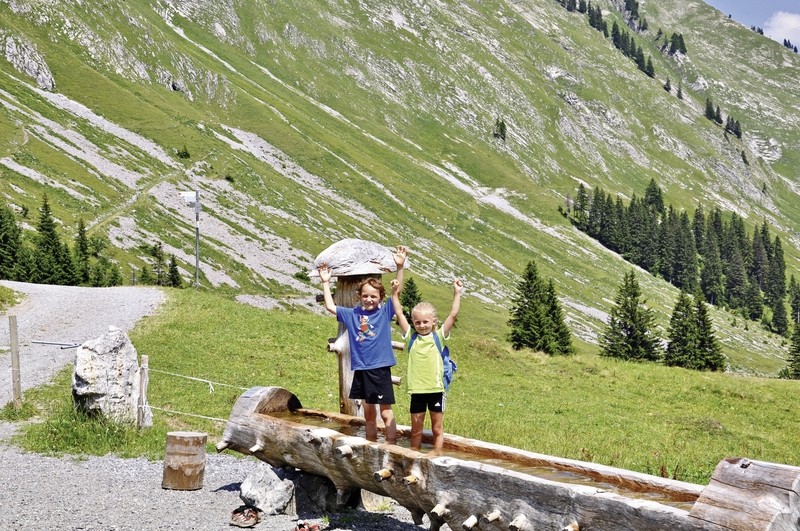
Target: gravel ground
x,y
109,493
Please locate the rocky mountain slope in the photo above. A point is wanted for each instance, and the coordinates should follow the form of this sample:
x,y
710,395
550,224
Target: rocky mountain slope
x,y
305,123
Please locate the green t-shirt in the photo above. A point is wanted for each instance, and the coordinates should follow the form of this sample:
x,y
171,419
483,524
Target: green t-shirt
x,y
425,367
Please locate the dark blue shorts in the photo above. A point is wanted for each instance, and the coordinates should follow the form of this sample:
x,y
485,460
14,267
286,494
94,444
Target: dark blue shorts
x,y
433,402
374,386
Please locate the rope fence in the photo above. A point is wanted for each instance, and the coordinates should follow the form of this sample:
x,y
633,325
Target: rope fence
x,y
145,416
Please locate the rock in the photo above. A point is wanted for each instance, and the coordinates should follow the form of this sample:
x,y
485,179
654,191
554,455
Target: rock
x,y
26,58
351,257
106,379
267,491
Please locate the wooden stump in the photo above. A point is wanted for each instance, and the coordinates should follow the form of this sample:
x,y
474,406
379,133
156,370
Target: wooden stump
x,y
184,460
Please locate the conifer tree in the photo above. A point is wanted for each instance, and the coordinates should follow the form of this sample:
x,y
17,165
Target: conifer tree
x,y
775,289
649,69
780,324
52,258
711,276
680,91
794,299
527,313
174,278
667,85
628,334
753,302
562,337
709,109
794,355
709,350
11,247
409,297
145,276
82,253
537,321
718,116
580,212
682,333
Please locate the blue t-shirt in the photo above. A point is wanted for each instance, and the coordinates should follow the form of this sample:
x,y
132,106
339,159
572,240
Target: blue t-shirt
x,y
370,336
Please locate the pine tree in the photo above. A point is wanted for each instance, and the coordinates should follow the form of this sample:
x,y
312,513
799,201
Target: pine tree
x,y
527,320
794,355
682,333
174,278
82,253
709,350
537,320
11,247
159,267
580,212
52,259
668,85
753,302
718,115
561,336
145,276
628,334
794,299
409,297
680,91
709,109
711,275
780,324
649,69
775,289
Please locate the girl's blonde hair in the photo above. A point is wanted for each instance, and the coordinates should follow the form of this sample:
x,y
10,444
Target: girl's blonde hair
x,y
425,307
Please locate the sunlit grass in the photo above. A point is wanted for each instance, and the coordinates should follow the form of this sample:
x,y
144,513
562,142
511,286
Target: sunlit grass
x,y
644,417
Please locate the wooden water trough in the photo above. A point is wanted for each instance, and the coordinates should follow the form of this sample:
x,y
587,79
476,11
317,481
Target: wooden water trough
x,y
479,485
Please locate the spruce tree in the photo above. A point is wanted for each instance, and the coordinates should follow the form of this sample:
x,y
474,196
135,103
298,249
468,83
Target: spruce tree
x,y
709,351
775,289
682,333
794,299
409,297
794,355
174,279
10,246
537,321
527,313
711,275
82,253
780,324
628,334
52,259
561,336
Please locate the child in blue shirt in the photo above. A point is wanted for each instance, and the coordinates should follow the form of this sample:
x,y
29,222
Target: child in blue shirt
x,y
371,355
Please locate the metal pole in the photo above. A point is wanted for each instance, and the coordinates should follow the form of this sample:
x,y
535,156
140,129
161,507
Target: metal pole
x,y
196,239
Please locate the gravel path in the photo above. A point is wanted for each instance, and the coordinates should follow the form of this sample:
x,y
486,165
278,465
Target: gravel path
x,y
109,493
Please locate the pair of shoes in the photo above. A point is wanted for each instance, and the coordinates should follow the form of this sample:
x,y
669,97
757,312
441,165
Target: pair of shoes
x,y
302,526
245,516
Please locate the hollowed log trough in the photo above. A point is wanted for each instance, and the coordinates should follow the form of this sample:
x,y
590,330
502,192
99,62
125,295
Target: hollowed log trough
x,y
479,485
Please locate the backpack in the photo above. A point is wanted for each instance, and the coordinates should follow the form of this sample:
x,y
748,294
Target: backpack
x,y
450,366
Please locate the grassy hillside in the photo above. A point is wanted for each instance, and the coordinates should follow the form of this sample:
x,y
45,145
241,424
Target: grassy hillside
x,y
309,122
643,417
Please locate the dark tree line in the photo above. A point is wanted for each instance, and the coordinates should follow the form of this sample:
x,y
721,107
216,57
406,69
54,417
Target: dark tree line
x,y
730,267
44,258
622,40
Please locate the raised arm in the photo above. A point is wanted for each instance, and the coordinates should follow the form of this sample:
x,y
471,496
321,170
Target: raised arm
x,y
458,287
400,254
325,276
398,308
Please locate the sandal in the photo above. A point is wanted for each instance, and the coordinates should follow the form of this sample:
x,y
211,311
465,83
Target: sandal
x,y
245,516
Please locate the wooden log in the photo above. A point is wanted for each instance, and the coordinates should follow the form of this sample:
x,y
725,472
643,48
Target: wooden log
x,y
184,460
751,495
450,487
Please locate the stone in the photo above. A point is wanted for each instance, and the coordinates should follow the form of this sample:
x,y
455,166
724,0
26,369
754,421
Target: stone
x,y
106,380
267,491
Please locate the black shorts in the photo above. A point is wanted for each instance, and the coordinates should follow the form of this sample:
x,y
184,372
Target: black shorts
x,y
374,386
433,402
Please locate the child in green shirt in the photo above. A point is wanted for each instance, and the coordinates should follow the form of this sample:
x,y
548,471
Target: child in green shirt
x,y
425,376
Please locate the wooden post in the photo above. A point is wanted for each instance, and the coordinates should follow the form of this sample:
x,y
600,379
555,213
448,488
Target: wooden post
x,y
184,460
16,386
346,295
144,378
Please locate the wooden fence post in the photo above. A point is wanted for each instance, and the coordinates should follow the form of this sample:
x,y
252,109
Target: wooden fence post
x,y
16,386
144,378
